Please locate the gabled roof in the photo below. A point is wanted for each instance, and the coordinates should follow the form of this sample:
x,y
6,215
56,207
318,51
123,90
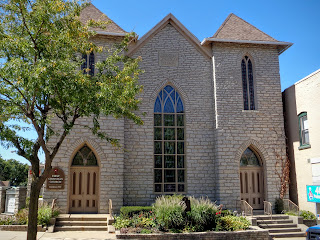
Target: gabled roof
x,y
170,19
236,30
91,12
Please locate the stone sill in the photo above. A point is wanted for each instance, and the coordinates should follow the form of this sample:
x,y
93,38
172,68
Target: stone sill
x,y
304,147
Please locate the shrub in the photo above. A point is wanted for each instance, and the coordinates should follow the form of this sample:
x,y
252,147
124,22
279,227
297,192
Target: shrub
x,y
169,212
232,223
22,216
121,222
131,210
307,215
7,221
44,215
278,205
202,214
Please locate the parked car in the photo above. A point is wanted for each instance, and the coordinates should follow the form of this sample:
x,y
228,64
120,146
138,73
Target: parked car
x,y
313,232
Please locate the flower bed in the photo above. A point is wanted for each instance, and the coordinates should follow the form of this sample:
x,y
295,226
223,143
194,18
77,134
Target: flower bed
x,y
175,214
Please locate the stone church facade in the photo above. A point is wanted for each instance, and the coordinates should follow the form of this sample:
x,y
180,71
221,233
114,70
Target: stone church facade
x,y
213,123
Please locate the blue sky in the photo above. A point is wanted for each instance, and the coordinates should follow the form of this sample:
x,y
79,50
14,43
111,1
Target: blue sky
x,y
296,21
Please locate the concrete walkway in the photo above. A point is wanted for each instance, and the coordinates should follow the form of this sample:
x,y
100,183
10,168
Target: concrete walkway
x,y
15,235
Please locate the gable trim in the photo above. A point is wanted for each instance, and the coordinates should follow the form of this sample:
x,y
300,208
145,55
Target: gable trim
x,y
282,45
179,27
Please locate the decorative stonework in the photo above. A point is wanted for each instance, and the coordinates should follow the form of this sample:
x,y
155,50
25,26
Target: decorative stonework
x,y
168,59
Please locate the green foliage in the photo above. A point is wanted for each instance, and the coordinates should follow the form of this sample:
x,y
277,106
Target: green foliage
x,y
22,216
141,220
14,171
129,211
291,213
232,223
202,215
278,206
307,215
169,212
121,222
6,221
44,215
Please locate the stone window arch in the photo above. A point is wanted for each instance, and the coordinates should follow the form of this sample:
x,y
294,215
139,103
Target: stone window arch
x,y
248,89
169,142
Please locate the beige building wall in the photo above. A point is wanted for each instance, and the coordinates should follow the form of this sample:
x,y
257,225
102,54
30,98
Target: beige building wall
x,y
303,97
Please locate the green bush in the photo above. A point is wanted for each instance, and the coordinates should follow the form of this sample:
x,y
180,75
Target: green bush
x,y
278,206
44,215
202,215
22,216
232,223
169,212
132,210
121,222
292,213
7,221
307,215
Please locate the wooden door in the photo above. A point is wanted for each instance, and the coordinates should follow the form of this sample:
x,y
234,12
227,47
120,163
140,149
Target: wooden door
x,y
252,186
84,190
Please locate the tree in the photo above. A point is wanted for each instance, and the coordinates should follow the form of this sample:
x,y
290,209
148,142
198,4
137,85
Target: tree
x,y
41,42
14,171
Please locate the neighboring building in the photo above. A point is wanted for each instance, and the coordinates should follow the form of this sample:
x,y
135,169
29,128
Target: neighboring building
x,y
302,121
213,119
4,183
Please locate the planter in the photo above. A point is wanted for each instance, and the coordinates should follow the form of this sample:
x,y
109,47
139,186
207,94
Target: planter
x,y
19,228
310,223
239,235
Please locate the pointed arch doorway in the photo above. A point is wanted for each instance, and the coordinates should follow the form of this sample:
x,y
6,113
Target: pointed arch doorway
x,y
84,182
251,179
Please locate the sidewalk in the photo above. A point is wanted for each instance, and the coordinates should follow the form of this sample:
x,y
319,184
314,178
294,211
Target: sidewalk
x,y
14,235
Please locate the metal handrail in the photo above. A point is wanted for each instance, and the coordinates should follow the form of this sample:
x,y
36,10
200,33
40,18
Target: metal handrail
x,y
290,206
246,208
110,208
267,208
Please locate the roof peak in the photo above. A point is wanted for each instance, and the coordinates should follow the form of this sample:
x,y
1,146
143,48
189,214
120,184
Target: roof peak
x,y
92,12
236,28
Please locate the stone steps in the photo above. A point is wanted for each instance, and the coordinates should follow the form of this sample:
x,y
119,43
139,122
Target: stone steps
x,y
82,222
279,226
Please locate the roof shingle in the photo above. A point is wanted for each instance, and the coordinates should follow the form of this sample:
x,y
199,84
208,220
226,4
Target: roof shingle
x,y
91,12
236,28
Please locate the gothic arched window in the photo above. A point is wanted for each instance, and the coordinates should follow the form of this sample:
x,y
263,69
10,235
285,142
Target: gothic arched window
x,y
88,63
247,84
169,142
84,157
249,158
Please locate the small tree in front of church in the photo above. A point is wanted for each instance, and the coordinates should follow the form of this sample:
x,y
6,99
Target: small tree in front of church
x,y
41,43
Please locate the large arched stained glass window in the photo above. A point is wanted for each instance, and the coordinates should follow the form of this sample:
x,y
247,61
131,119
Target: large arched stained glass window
x,y
169,142
249,158
247,84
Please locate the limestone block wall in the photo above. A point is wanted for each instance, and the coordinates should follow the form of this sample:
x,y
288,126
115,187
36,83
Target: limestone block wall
x,y
110,158
236,129
191,75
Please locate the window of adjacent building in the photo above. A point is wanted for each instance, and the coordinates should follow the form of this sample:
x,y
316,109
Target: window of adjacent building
x,y
88,64
247,84
304,130
169,142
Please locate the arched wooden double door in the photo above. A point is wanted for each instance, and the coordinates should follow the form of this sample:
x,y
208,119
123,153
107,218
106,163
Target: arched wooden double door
x,y
251,179
84,182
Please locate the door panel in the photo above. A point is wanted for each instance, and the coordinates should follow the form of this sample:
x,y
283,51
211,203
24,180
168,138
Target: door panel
x,y
84,190
252,186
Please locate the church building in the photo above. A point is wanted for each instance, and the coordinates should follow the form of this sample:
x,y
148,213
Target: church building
x,y
213,122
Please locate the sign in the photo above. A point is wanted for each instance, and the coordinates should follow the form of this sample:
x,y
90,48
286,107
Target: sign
x,y
11,202
55,181
313,193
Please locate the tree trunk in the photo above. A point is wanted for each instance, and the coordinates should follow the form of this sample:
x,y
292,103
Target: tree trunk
x,y
33,211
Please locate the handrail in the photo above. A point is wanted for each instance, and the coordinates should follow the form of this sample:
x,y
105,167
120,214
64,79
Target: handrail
x,y
110,208
267,208
246,208
290,206
53,204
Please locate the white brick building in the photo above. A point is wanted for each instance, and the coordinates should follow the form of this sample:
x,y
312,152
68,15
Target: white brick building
x,y
213,122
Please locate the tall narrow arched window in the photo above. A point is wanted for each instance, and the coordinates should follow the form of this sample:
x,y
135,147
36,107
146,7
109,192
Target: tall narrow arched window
x,y
247,84
169,142
88,63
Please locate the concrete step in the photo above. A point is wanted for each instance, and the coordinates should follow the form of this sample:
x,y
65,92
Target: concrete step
x,y
82,223
274,221
287,235
274,217
86,219
283,230
280,225
81,228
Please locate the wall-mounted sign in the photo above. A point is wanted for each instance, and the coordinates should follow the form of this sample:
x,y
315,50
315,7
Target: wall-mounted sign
x,y
55,181
313,193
